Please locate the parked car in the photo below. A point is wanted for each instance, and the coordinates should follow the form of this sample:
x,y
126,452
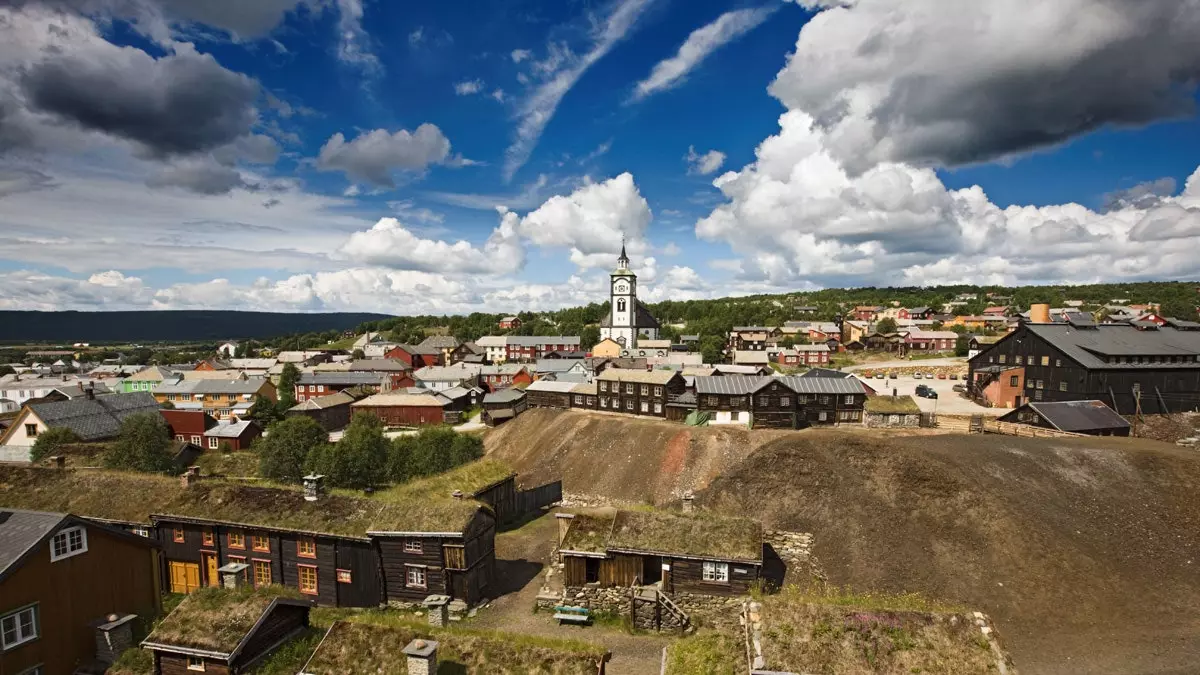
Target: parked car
x,y
941,376
916,376
925,391
959,388
954,376
879,376
894,376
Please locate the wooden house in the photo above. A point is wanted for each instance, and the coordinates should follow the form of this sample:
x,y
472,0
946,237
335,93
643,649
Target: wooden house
x,y
638,392
583,396
226,631
188,425
607,348
331,411
324,383
891,411
504,376
403,410
90,418
788,402
61,577
699,553
1081,417
503,405
550,394
232,436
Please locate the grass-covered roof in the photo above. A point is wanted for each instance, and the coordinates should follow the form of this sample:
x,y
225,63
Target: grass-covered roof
x,y
418,506
588,533
702,535
361,647
892,405
217,619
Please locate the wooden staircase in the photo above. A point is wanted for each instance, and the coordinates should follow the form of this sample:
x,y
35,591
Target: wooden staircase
x,y
649,600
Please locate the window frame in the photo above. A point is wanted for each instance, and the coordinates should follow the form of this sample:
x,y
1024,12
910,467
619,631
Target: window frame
x,y
414,546
213,442
31,431
178,535
712,571
208,537
344,576
300,551
265,548
300,572
195,664
21,637
68,552
241,538
409,570
254,567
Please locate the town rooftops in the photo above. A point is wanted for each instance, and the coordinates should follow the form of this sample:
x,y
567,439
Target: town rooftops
x,y
637,376
399,400
229,429
420,350
556,365
502,369
553,386
1118,345
219,621
323,402
341,378
94,419
741,385
455,373
654,344
440,342
152,374
918,310
823,372
932,335
737,385
540,340
1077,416
504,396
701,535
454,393
207,386
491,341
589,533
585,388
744,356
252,364
378,366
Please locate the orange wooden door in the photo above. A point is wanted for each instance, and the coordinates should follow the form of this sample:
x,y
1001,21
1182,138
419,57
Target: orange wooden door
x,y
185,577
212,578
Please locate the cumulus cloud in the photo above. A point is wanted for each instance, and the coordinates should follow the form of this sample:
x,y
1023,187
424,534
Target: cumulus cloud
x,y
704,163
559,73
390,244
591,221
1140,195
519,55
945,82
672,72
468,87
374,156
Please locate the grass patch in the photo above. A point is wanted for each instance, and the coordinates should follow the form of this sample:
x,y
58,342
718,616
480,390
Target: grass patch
x,y
469,478
242,464
706,653
216,619
844,596
291,657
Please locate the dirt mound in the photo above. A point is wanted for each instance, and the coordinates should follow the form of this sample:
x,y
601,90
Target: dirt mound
x,y
1085,551
617,458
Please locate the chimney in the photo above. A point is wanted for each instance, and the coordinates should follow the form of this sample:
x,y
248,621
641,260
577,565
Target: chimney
x,y
688,502
60,461
457,494
90,391
114,634
439,610
314,487
233,575
422,657
1039,313
190,477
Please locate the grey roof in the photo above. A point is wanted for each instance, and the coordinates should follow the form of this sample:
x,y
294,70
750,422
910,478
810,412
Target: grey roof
x,y
229,430
504,396
740,385
323,402
94,419
824,385
334,377
918,310
642,319
378,365
1079,415
560,386
420,349
455,373
1089,346
538,340
556,365
824,372
248,386
440,342
22,530
502,369
689,338
456,392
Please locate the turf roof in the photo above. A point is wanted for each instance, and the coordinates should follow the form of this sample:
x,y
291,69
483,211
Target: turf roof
x,y
893,405
702,535
588,533
419,506
217,619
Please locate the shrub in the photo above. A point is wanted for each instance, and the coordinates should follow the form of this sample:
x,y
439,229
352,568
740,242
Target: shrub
x,y
282,453
50,441
359,460
142,445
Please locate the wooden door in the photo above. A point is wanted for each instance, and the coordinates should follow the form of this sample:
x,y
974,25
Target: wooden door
x,y
185,577
211,577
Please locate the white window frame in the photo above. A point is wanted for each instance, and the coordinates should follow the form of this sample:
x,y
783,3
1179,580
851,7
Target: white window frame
x,y
658,408
416,576
69,549
196,439
213,442
195,664
141,531
414,546
716,571
645,406
849,400
20,637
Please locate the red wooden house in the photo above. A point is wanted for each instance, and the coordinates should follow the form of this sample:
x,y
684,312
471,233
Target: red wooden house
x,y
416,357
188,425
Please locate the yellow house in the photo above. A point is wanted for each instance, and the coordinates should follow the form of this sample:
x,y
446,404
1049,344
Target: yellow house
x,y
220,398
607,348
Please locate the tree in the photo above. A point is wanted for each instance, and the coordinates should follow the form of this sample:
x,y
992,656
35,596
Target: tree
x,y
886,325
961,345
265,412
712,349
360,459
282,453
588,337
143,444
6,369
50,441
358,354
287,385
788,342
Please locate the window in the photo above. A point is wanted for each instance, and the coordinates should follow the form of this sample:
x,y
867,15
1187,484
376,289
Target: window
x,y
414,577
764,401
1013,381
1062,386
262,573
179,437
621,305
716,571
578,400
658,391
629,404
1003,358
343,576
312,387
19,627
712,400
212,442
261,543
1021,360
141,531
306,547
30,430
645,406
195,663
68,542
629,389
413,546
320,388
603,401
308,579
1058,363
1037,395
207,537
603,386
824,400
1040,384
645,390
195,440
1029,384
822,416
237,539
658,408
849,400
177,535
1045,360
785,401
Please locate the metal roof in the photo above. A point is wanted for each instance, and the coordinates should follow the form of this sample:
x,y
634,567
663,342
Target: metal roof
x,y
322,402
21,531
504,396
401,400
556,365
94,419
1089,346
737,385
554,386
378,365
455,373
637,376
1078,415
740,385
229,430
347,377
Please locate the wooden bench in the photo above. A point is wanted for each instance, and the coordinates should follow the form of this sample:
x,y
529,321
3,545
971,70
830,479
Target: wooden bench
x,y
576,615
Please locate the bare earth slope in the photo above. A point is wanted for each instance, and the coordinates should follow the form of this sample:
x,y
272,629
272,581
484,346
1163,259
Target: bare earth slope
x,y
1086,552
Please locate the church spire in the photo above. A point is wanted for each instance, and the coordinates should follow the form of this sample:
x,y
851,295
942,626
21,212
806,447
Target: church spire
x,y
623,261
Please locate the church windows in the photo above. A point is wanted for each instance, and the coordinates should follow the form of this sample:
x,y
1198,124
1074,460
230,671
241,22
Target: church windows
x,y
621,305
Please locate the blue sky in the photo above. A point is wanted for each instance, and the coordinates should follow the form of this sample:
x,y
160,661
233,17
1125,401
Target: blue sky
x,y
409,157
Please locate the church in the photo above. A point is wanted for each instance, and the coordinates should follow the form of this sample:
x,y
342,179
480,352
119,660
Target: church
x,y
627,319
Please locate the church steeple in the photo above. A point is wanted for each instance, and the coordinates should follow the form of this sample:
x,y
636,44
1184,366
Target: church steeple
x,y
623,261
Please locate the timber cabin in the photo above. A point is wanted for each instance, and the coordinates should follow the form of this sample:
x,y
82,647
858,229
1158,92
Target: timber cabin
x,y
638,392
1079,417
780,402
679,553
222,631
338,550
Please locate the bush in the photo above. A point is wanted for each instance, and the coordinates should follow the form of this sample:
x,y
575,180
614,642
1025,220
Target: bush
x,y
282,453
142,445
432,451
50,441
359,460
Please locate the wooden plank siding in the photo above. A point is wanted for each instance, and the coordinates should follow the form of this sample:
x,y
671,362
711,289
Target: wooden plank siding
x,y
284,620
687,576
478,554
169,664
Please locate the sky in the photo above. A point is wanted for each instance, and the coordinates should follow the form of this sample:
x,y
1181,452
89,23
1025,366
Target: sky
x,y
458,156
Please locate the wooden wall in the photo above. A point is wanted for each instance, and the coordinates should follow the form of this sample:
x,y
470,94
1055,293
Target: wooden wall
x,y
394,559
687,576
169,664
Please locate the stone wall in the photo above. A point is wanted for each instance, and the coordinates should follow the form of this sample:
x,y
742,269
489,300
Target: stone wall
x,y
880,421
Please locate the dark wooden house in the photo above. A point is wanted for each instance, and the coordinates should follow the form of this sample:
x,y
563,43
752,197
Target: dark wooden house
x,y
61,576
780,402
226,631
550,394
1080,417
1133,369
503,405
444,548
331,412
638,392
679,553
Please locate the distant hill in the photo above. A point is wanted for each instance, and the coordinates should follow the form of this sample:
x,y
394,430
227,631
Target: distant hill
x,y
167,326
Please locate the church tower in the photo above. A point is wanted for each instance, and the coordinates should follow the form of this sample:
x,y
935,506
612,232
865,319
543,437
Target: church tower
x,y
622,323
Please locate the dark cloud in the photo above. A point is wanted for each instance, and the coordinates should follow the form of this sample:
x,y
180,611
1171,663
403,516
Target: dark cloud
x,y
1140,196
202,177
244,18
13,181
176,105
373,156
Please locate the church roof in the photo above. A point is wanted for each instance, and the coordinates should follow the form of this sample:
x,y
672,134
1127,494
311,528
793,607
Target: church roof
x,y
642,318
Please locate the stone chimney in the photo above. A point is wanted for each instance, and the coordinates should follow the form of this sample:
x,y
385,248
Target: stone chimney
x,y
233,575
439,609
314,487
89,390
688,502
422,657
59,461
457,494
190,477
564,524
114,634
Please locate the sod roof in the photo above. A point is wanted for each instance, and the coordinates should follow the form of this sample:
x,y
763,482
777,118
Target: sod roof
x,y
358,647
218,619
588,533
701,535
418,506
892,405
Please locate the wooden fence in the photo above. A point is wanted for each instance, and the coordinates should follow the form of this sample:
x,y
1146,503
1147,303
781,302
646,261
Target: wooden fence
x,y
529,501
974,424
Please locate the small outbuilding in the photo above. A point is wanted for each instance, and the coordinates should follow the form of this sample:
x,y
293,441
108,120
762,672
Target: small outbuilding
x,y
503,405
1081,417
891,411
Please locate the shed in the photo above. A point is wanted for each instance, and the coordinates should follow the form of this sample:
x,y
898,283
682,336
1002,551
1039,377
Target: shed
x,y
1081,417
403,410
891,411
503,405
550,394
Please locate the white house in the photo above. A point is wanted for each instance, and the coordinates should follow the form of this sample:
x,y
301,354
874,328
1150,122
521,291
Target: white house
x,y
496,347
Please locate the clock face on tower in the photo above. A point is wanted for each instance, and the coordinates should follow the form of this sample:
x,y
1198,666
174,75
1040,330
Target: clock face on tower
x,y
620,287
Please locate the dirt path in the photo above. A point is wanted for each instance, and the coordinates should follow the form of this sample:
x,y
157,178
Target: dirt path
x,y
528,548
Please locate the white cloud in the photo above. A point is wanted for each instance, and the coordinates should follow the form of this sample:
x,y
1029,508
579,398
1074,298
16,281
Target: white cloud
x,y
390,244
417,37
519,55
373,156
468,87
944,82
703,41
529,197
591,221
354,45
499,96
561,71
671,249
704,163
408,211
